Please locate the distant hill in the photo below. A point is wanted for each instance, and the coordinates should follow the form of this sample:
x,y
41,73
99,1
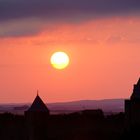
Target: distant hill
x,y
107,105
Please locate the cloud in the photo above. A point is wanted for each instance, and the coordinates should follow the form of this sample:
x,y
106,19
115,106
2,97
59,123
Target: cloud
x,y
66,9
29,17
19,28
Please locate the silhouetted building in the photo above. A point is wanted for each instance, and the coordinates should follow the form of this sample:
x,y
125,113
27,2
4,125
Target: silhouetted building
x,y
95,114
132,107
36,119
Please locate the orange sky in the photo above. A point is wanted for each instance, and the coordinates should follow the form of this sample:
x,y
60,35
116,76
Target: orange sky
x,y
104,61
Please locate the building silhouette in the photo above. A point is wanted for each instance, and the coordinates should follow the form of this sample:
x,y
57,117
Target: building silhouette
x,y
132,107
36,120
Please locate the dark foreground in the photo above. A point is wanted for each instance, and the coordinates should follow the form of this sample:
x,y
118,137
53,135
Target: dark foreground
x,y
85,125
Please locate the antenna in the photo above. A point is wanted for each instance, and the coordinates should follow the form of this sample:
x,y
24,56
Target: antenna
x,y
37,92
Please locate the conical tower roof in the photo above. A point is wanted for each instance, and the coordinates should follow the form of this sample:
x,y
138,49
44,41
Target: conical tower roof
x,y
138,83
38,105
136,91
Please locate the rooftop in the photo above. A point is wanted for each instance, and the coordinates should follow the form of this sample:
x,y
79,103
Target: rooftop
x,y
38,105
136,91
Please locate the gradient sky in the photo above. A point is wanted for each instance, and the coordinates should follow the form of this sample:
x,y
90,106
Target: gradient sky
x,y
101,37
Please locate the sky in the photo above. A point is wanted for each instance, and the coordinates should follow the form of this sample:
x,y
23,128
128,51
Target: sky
x,y
101,37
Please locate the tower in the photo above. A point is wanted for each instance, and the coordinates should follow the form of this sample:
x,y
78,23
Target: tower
x,y
132,107
36,120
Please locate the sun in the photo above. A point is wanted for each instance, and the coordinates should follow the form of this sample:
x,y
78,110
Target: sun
x,y
59,60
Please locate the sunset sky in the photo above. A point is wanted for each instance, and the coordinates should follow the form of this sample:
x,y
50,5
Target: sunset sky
x,y
101,37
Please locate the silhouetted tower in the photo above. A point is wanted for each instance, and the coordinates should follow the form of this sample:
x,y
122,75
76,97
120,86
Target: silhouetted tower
x,y
132,107
36,119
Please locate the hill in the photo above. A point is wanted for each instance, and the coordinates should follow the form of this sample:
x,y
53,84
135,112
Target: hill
x,y
107,105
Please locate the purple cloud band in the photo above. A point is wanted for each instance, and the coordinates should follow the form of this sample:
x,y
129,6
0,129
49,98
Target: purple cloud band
x,y
65,9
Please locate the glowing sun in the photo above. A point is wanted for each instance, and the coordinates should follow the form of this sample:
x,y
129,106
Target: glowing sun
x,y
59,60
